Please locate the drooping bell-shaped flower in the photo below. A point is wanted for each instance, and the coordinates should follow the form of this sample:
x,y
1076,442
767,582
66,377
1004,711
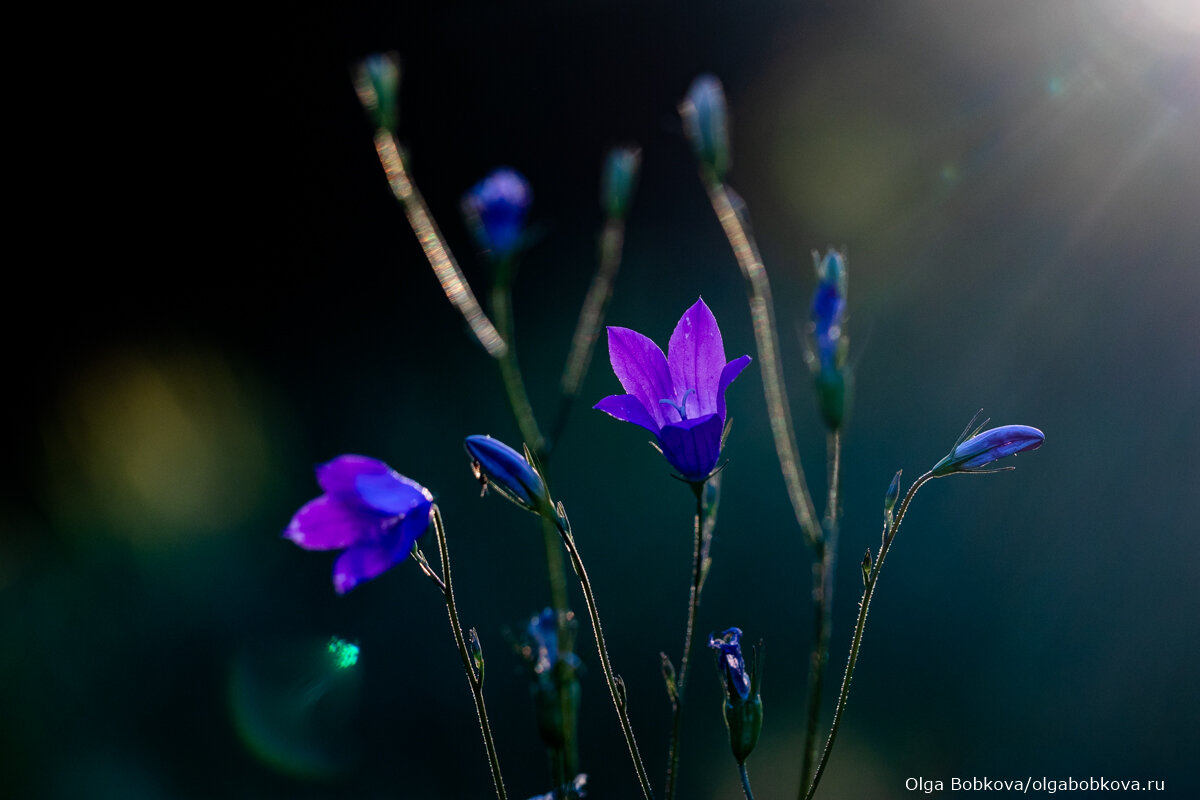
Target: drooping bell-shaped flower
x,y
369,511
680,397
973,453
495,209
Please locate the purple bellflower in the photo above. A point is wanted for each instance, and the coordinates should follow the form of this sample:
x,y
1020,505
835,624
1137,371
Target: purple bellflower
x,y
369,511
496,207
680,397
971,454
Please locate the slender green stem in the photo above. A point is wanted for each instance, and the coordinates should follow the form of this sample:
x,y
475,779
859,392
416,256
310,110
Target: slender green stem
x,y
591,318
823,577
856,643
514,385
454,284
693,606
762,313
616,687
745,781
473,678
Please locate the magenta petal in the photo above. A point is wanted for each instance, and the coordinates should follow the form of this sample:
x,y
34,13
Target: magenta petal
x,y
369,560
693,446
328,524
627,408
728,374
338,477
642,369
696,356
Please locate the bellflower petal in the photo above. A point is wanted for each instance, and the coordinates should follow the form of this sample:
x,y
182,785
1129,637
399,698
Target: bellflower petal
x,y
628,408
368,560
728,374
368,509
680,397
642,369
327,524
696,356
693,446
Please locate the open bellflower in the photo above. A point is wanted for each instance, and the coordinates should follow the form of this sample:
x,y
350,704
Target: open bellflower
x,y
980,449
369,511
680,397
743,705
496,207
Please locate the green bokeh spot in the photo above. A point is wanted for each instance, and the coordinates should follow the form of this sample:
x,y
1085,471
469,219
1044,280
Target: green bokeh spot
x,y
345,654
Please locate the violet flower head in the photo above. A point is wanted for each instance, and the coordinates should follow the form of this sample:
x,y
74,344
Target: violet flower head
x,y
680,397
496,207
369,511
971,454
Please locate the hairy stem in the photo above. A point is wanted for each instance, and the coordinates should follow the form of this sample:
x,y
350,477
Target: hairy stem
x,y
616,688
856,643
473,678
823,575
745,781
693,605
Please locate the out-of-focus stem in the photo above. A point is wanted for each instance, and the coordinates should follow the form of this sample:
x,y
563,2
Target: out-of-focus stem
x,y
591,318
473,678
745,781
864,606
823,575
617,691
454,284
767,341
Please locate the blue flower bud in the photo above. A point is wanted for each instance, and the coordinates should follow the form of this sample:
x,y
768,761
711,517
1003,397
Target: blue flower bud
x,y
376,81
495,209
499,466
830,343
554,668
980,449
619,179
705,123
743,705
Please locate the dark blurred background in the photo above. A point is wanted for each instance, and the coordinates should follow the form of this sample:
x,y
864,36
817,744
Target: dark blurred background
x,y
1017,186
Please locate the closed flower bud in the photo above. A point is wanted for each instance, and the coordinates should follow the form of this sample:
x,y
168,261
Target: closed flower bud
x,y
377,82
500,467
619,180
495,209
971,454
830,344
743,705
705,124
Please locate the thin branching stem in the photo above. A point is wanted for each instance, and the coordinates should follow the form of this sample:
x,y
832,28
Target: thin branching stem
x,y
616,687
454,284
693,606
766,338
591,320
823,577
864,606
473,678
